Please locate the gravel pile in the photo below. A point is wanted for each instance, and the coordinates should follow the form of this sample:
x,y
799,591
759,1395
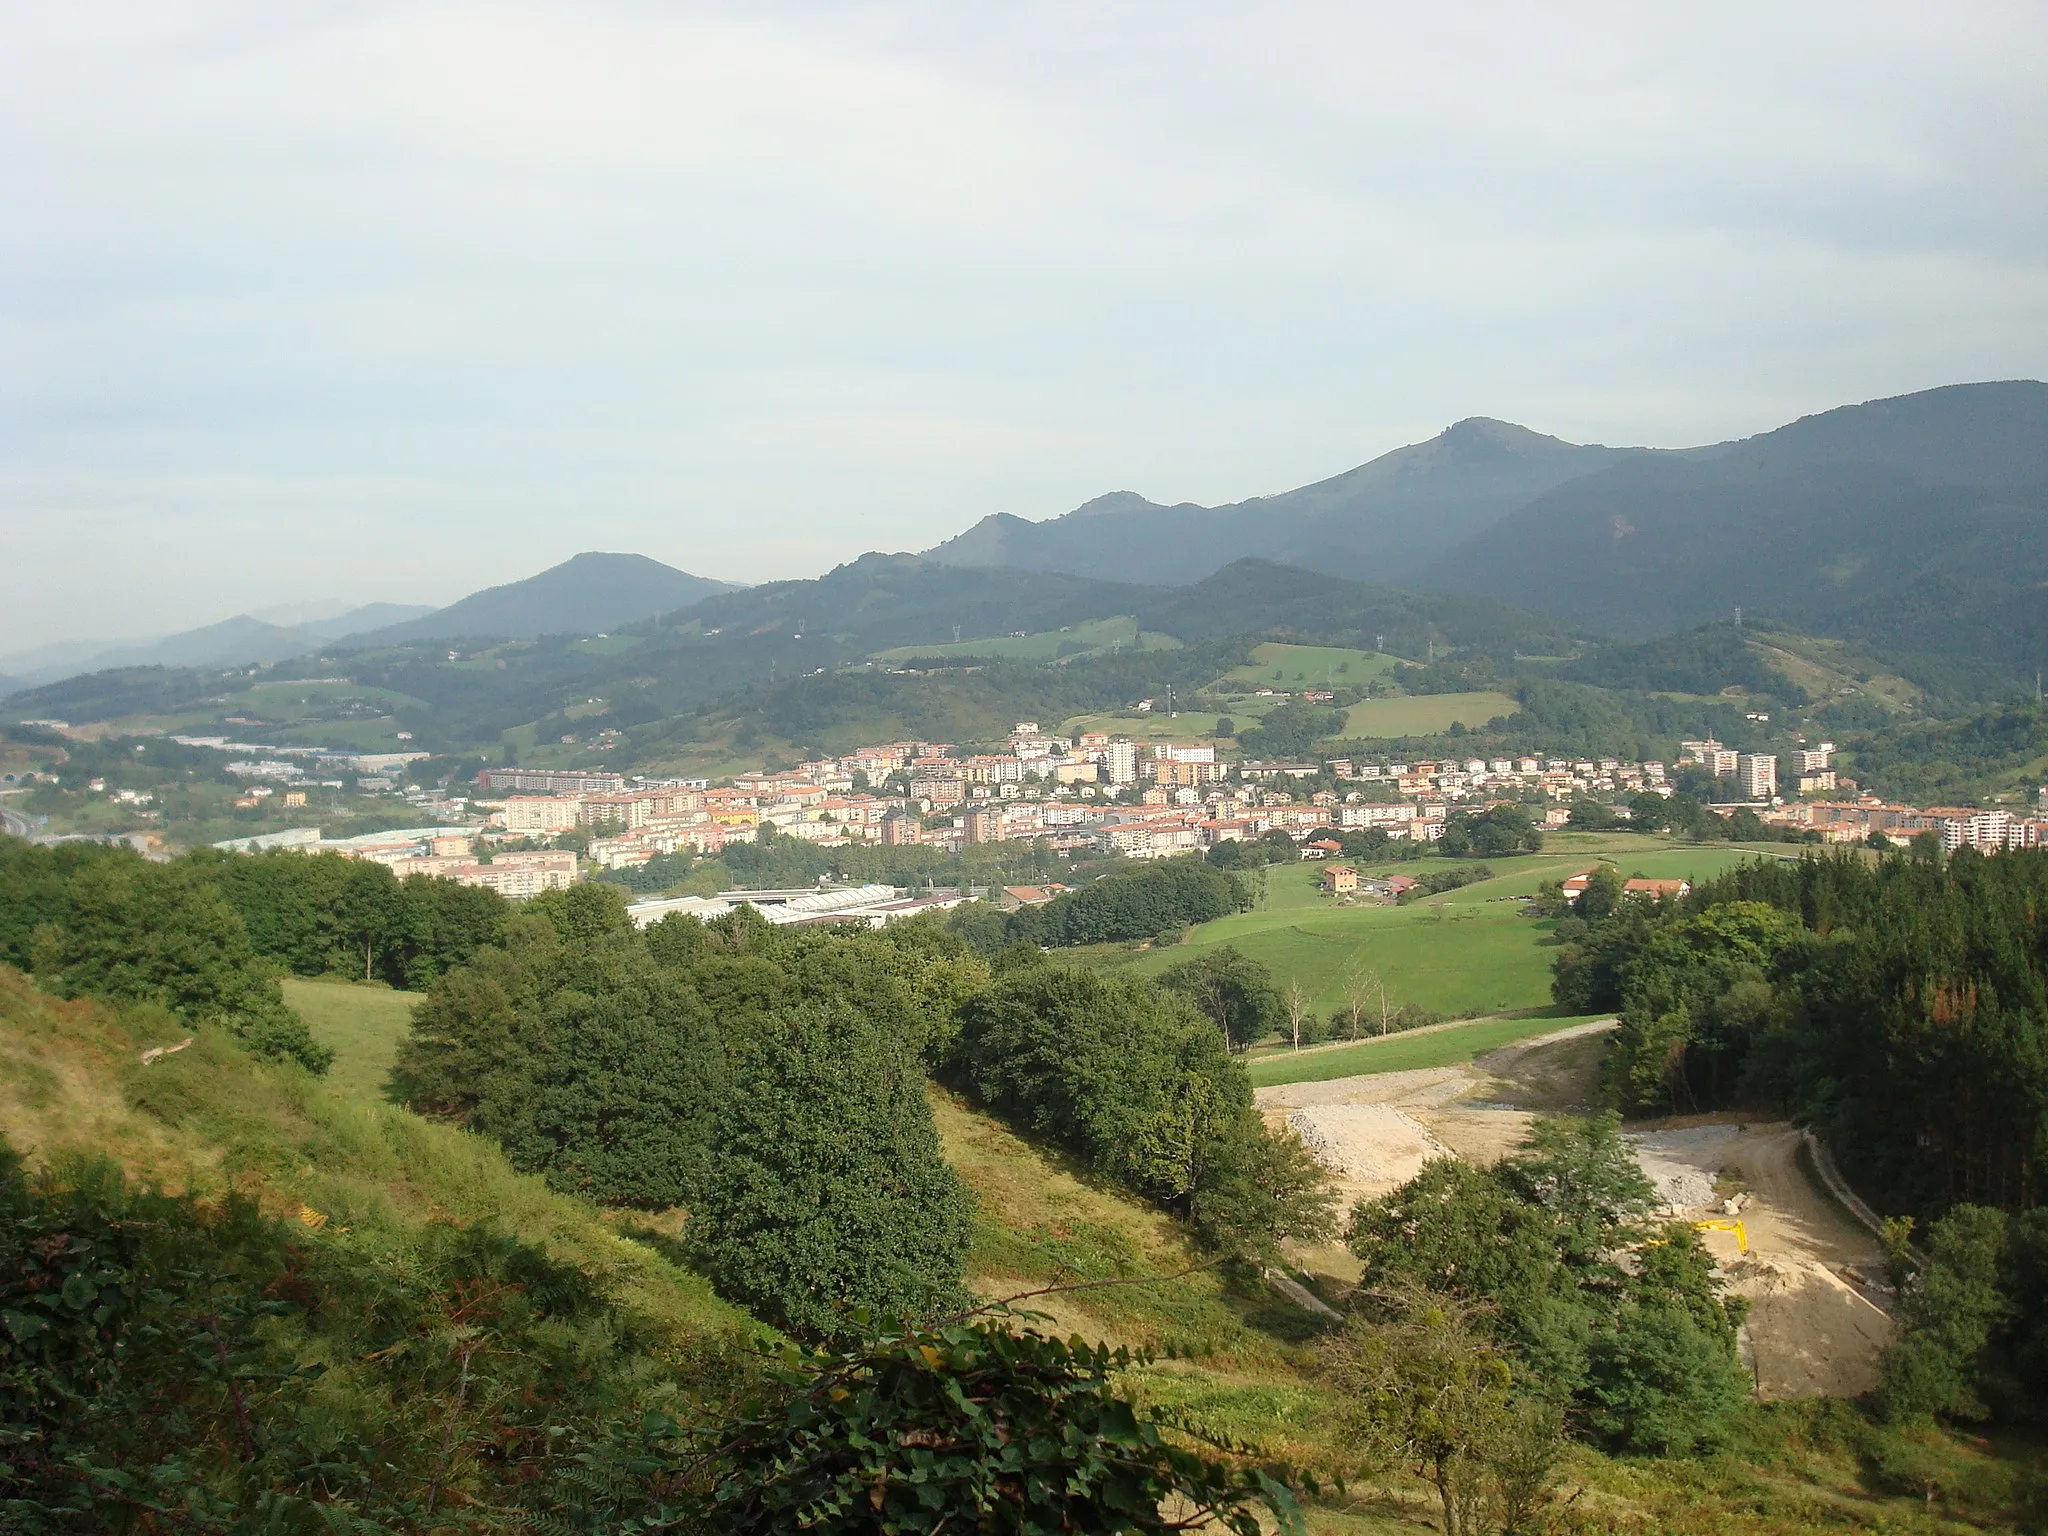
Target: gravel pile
x,y
1680,1164
1369,1143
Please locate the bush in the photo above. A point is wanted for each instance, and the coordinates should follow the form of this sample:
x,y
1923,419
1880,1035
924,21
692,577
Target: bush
x,y
828,1194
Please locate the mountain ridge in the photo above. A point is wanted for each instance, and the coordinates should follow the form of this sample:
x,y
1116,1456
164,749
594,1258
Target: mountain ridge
x,y
1375,522
1913,522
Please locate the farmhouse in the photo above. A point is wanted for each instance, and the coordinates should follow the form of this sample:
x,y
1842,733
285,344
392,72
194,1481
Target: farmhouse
x,y
1339,880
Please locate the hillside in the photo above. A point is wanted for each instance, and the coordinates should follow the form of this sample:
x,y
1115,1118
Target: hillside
x,y
586,594
1913,525
402,1233
1381,521
653,678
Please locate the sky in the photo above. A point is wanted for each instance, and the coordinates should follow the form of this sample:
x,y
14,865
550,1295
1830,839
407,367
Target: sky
x,y
305,303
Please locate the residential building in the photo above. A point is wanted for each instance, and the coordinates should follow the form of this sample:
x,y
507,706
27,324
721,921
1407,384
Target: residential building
x,y
1757,776
1339,880
550,782
545,814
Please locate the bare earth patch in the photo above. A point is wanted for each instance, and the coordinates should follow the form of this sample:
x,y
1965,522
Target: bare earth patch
x,y
1815,1326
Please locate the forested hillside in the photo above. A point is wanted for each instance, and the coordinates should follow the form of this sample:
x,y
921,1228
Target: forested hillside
x,y
1910,524
1898,1007
680,1145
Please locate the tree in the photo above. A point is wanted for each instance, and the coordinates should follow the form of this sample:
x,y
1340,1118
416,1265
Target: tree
x,y
1294,1001
1950,1309
1602,895
1365,995
829,1194
1233,990
968,1427
1431,1389
1648,812
1225,726
615,1099
132,931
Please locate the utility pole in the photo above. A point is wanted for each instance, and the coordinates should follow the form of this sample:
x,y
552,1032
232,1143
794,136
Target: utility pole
x,y
1169,700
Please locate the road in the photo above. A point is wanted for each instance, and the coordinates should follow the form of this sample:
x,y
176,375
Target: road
x,y
14,822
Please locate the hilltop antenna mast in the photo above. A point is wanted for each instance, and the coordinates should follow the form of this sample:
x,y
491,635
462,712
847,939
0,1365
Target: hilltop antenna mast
x,y
956,634
1738,616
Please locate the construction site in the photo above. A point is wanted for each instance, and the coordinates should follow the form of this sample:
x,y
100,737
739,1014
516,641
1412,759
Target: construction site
x,y
1784,1230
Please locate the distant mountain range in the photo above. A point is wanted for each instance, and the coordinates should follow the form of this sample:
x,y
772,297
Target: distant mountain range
x,y
1380,522
241,641
1913,525
1918,524
586,594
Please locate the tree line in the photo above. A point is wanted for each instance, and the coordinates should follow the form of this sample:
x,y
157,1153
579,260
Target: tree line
x,y
1141,903
206,935
1899,1005
771,1081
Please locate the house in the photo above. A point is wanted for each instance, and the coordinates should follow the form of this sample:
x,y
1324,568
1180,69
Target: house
x,y
1322,848
1656,890
1011,897
1574,886
1339,880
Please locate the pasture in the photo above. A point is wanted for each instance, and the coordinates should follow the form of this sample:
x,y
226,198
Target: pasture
x,y
1426,714
1411,1051
1294,667
361,1024
1081,639
1469,951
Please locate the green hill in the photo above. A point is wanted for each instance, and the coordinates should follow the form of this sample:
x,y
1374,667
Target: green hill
x,y
585,594
1912,524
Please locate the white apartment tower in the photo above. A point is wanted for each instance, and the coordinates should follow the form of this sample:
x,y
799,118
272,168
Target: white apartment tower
x,y
1757,774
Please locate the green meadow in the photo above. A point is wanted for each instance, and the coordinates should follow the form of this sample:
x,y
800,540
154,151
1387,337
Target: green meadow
x,y
361,1024
1426,714
1409,1052
1292,667
1468,952
1047,645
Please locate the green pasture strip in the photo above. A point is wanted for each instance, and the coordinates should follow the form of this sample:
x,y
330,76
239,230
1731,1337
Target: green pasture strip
x,y
1046,645
1425,714
1470,951
1400,1053
1309,666
362,1025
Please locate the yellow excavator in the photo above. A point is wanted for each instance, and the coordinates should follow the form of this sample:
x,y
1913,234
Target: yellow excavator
x,y
1726,1224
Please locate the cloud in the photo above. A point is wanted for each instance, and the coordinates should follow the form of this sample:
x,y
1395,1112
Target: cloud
x,y
395,300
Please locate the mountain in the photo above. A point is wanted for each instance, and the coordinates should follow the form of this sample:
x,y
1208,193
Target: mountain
x,y
10,685
1258,596
590,593
356,620
243,640
1381,521
1915,525
880,601
240,641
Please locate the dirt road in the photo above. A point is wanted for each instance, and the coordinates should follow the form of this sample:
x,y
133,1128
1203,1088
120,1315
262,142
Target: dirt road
x,y
1810,1268
1812,1328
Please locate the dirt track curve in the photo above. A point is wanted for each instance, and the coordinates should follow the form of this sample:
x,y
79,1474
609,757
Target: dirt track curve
x,y
1810,1273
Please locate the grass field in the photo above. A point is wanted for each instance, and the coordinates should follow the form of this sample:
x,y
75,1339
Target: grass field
x,y
1276,665
1470,951
1408,1052
1047,645
1425,714
362,1025
1183,726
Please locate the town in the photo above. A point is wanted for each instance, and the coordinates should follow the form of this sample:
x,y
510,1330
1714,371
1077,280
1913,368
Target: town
x,y
1092,795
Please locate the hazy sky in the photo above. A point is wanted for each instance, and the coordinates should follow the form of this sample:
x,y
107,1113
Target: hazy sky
x,y
389,300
